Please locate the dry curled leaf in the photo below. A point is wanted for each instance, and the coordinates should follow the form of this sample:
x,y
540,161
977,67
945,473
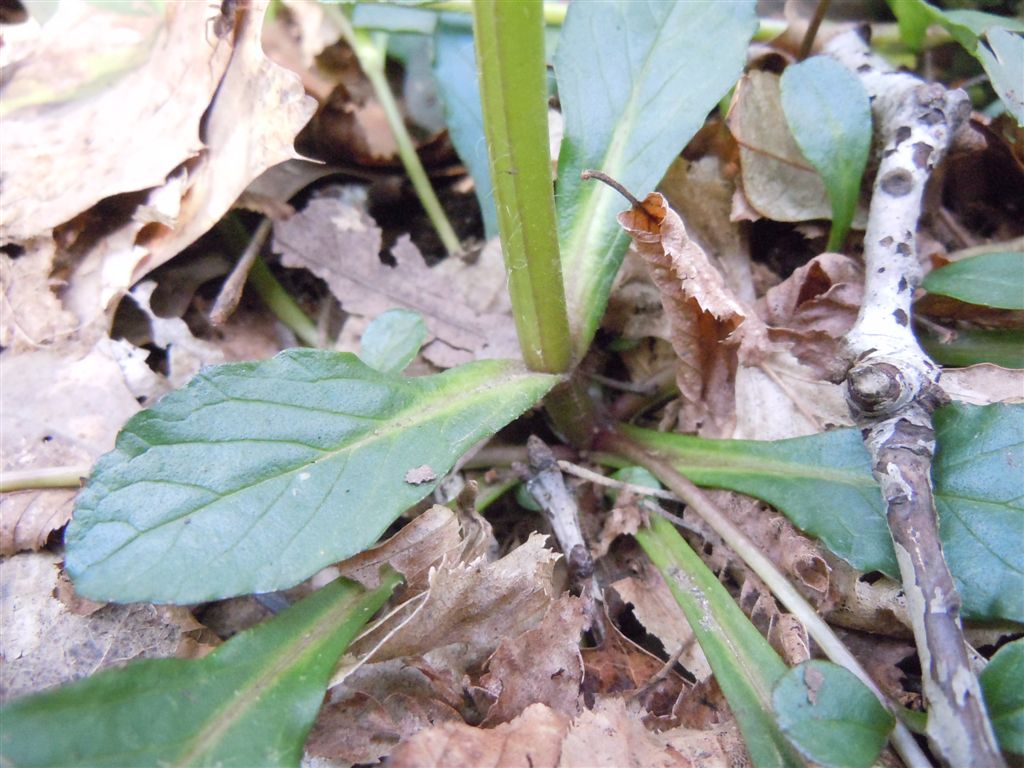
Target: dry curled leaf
x,y
733,379
250,125
612,735
659,613
109,100
424,542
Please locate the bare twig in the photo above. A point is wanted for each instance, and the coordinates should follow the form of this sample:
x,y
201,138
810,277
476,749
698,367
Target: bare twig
x,y
231,291
812,29
892,389
545,483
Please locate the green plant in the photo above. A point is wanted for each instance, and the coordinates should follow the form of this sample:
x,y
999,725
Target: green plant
x,y
201,489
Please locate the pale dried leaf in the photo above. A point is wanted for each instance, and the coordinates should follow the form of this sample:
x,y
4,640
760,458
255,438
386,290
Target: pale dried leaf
x,y
340,243
186,354
111,101
89,396
659,613
533,739
781,398
878,605
428,539
541,665
474,606
45,644
984,384
777,181
258,109
613,736
31,314
702,196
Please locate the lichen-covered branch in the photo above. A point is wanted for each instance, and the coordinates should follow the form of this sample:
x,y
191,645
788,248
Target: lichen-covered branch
x,y
892,389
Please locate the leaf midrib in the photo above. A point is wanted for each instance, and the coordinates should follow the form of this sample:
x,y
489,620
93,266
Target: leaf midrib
x,y
289,656
393,427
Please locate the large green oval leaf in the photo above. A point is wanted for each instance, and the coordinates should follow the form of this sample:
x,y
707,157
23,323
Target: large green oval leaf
x,y
991,279
831,716
830,115
636,79
256,475
823,484
250,702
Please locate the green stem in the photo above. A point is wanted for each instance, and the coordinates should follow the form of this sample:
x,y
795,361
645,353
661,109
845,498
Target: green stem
x,y
776,581
371,49
281,304
513,92
48,477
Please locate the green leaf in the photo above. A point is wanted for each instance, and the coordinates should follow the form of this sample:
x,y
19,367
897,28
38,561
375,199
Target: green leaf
x,y
831,716
972,346
392,339
991,279
985,36
794,476
636,79
823,484
256,475
829,114
250,702
1004,695
455,72
1003,60
979,493
745,666
965,26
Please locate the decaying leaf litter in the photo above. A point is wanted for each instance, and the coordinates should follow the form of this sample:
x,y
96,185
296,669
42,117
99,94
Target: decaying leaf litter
x,y
733,329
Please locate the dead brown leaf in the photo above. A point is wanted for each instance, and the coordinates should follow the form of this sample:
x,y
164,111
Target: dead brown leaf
x,y
777,180
734,380
46,644
32,314
984,384
250,125
532,740
473,606
702,312
108,102
814,308
424,542
659,613
541,665
699,192
89,396
613,735
340,243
